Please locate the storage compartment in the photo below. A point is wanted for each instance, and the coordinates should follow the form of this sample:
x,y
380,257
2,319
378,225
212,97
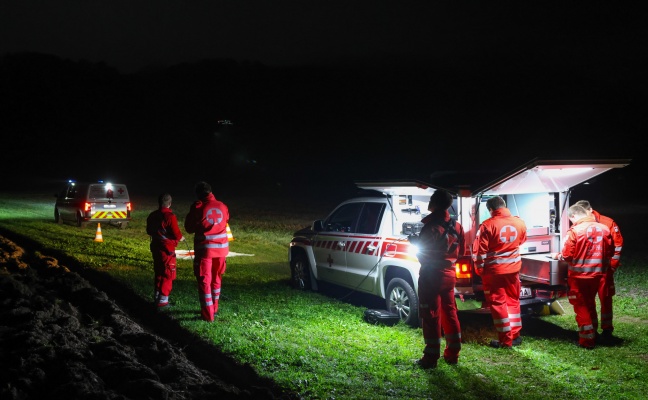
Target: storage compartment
x,y
536,244
412,228
540,244
540,268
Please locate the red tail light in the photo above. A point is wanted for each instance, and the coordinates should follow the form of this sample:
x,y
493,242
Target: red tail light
x,y
87,206
463,271
129,206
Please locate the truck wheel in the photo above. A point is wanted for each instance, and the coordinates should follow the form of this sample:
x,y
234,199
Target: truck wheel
x,y
300,272
402,300
79,221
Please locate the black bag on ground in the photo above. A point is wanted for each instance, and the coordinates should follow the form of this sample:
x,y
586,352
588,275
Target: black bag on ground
x,y
381,317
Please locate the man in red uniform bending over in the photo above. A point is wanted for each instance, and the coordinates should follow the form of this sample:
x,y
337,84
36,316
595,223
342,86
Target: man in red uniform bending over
x,y
207,220
587,248
606,290
496,254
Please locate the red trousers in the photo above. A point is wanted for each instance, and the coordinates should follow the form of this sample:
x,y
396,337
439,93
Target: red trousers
x,y
438,311
582,296
504,293
605,292
164,268
209,274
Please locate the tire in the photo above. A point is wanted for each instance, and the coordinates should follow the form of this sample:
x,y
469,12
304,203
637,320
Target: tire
x,y
402,300
57,216
123,225
300,272
79,221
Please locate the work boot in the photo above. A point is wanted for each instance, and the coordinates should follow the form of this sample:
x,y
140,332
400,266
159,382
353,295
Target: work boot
x,y
426,362
497,345
584,346
605,337
451,360
162,301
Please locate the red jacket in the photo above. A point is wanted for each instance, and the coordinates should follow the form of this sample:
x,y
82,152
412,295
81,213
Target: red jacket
x,y
496,249
207,219
617,239
432,248
588,247
162,226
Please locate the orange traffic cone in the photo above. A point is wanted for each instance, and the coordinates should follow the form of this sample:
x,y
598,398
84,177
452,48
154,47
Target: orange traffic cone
x,y
230,237
98,237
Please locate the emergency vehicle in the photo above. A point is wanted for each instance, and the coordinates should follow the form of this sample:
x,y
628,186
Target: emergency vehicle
x,y
363,243
82,203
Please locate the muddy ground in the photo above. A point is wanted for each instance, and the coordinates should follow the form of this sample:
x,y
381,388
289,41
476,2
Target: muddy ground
x,y
62,337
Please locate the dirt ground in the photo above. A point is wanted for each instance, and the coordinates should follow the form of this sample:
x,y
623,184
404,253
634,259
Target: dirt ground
x,y
63,337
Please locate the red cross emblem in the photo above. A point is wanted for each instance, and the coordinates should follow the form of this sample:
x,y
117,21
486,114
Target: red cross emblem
x,y
214,216
594,234
508,234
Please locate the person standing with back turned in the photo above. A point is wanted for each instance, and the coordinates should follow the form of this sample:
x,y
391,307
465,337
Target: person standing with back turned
x,y
497,258
162,227
440,243
207,220
588,248
606,289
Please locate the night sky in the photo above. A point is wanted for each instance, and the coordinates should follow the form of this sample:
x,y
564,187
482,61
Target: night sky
x,y
131,35
339,90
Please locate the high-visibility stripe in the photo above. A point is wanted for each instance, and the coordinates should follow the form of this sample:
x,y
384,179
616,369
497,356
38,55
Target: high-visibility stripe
x,y
110,215
359,245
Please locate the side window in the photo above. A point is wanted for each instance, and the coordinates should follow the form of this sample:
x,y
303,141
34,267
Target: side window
x,y
344,219
370,217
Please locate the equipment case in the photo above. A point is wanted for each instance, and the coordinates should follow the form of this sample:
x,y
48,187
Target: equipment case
x,y
381,317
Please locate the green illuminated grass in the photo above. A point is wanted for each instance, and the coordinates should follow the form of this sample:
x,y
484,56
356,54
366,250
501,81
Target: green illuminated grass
x,y
318,346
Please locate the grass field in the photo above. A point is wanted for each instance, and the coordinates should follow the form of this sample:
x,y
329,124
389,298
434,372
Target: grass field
x,y
317,344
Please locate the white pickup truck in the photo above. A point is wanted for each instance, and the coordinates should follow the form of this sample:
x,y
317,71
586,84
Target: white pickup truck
x,y
363,243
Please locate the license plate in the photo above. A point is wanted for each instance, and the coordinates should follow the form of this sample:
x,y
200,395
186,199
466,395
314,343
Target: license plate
x,y
110,206
525,292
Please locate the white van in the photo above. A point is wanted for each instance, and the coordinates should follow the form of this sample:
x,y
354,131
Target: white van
x,y
81,203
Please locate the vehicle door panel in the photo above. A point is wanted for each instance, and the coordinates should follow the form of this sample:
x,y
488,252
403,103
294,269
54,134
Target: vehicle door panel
x,y
69,205
363,249
329,247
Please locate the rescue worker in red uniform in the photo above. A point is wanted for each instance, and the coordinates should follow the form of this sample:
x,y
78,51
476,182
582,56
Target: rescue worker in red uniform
x,y
162,227
588,248
497,259
439,244
207,220
607,290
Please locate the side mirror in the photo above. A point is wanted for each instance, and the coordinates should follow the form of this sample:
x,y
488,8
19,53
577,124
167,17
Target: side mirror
x,y
318,225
